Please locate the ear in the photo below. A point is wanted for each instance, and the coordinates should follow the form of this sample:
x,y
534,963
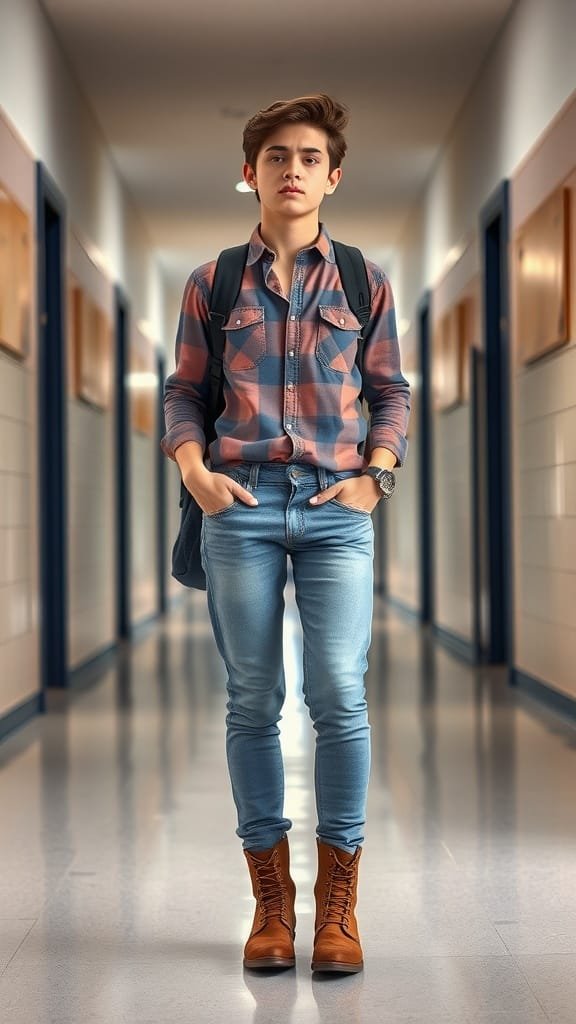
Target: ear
x,y
249,176
333,179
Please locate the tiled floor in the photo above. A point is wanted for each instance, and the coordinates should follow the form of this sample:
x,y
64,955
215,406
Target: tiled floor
x,y
124,897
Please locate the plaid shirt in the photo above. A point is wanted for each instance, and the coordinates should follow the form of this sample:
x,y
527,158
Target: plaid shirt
x,y
291,383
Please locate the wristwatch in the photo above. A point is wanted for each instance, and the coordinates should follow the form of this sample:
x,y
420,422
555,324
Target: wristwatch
x,y
385,478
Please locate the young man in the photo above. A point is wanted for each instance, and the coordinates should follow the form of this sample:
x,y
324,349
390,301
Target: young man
x,y
286,477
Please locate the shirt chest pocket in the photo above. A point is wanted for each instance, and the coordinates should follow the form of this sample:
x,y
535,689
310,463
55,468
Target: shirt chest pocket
x,y
245,338
337,341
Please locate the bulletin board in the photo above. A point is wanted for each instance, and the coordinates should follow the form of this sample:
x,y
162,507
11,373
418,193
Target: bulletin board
x,y
142,387
91,336
15,276
445,369
466,330
542,278
453,339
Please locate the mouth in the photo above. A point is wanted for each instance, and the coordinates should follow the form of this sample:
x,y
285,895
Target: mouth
x,y
291,191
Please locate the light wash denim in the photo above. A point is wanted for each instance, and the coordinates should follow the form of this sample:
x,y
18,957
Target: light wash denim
x,y
245,553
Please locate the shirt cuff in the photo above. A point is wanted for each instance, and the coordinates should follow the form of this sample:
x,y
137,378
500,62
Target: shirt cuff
x,y
180,434
380,437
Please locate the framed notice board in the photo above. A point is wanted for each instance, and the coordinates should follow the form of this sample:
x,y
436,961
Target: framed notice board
x,y
142,386
92,349
542,277
15,276
446,363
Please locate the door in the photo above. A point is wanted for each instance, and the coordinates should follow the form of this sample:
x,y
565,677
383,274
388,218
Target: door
x,y
52,402
122,411
426,523
495,417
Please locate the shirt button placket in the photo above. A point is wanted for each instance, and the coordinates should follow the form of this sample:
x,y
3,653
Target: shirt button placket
x,y
290,372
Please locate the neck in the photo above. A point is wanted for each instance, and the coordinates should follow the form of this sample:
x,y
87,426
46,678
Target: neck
x,y
288,237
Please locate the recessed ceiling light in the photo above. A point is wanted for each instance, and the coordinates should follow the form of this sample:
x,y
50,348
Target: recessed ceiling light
x,y
242,186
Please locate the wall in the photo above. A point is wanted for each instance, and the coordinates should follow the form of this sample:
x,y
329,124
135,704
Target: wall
x,y
544,464
40,95
143,503
526,79
403,512
19,583
91,465
55,124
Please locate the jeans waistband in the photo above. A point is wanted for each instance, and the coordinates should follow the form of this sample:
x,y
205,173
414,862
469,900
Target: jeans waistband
x,y
249,474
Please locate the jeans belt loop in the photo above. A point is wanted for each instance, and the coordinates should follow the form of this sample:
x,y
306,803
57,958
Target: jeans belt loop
x,y
253,477
322,478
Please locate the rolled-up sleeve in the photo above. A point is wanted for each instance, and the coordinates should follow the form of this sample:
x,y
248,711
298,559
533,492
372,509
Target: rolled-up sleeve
x,y
186,391
386,391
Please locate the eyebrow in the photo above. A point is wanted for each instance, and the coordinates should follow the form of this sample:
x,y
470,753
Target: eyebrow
x,y
286,149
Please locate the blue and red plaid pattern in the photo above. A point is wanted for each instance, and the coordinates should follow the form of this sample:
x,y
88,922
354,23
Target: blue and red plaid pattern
x,y
291,385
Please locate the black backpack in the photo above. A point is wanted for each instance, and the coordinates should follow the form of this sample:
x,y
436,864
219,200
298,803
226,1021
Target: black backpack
x,y
186,560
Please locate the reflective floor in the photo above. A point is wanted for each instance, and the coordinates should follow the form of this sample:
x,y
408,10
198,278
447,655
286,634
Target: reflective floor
x,y
124,895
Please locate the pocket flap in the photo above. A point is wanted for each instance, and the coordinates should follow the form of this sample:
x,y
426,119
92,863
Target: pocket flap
x,y
340,317
244,316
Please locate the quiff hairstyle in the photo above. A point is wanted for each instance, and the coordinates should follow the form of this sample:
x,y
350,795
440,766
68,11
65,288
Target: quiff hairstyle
x,y
319,110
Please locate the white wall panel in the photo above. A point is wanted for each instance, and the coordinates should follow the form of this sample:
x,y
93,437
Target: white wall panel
x,y
91,536
91,521
143,528
402,512
144,489
452,536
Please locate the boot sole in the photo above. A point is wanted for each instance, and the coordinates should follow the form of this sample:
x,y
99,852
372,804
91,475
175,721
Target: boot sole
x,y
265,962
334,967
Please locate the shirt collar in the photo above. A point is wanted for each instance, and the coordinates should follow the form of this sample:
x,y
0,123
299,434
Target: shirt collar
x,y
323,244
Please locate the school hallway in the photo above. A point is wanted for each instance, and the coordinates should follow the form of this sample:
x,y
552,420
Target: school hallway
x,y
124,894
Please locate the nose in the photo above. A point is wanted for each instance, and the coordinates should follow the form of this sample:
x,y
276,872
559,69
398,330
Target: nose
x,y
290,171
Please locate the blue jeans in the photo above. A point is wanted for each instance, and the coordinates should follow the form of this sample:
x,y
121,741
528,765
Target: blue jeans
x,y
244,552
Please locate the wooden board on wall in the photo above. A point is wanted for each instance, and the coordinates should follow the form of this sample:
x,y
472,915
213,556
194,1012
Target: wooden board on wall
x,y
466,313
451,356
142,388
446,369
92,349
15,276
541,269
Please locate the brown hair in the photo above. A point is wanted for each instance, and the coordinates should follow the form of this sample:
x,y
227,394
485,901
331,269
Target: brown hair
x,y
319,110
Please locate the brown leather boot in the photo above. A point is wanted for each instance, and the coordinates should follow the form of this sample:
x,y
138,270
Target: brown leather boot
x,y
271,941
336,940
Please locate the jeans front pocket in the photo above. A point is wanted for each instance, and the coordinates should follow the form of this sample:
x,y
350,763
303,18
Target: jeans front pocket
x,y
349,508
245,338
337,341
221,511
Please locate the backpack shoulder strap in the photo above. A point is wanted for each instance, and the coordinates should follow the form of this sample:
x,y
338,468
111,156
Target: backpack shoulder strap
x,y
226,286
354,276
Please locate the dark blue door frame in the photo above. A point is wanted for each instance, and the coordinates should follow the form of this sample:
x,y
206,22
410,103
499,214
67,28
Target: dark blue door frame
x,y
123,489
479,504
494,234
161,518
426,505
52,402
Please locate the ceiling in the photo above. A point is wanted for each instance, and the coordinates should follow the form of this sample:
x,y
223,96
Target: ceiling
x,y
172,83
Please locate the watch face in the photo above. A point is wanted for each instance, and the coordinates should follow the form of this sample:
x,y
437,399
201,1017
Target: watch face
x,y
387,482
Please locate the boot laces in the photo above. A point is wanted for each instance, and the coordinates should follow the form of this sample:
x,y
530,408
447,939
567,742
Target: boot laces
x,y
340,894
271,889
